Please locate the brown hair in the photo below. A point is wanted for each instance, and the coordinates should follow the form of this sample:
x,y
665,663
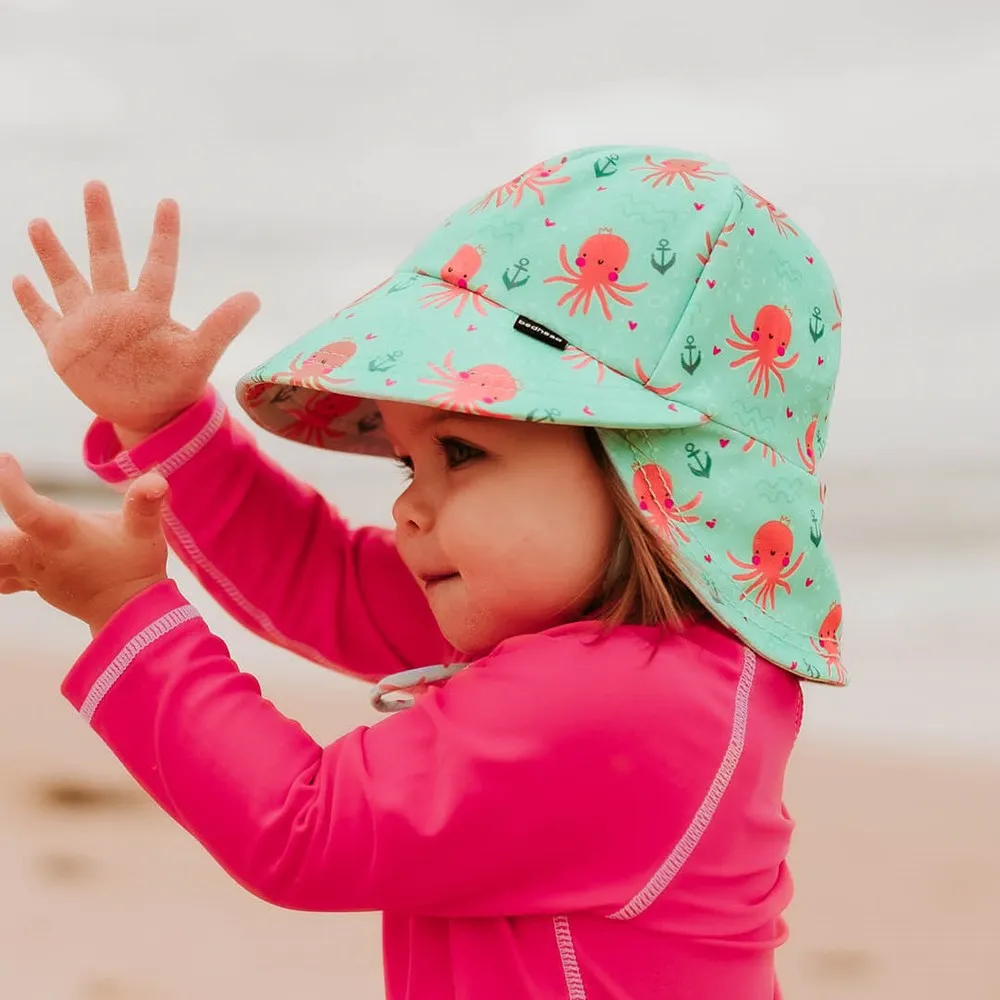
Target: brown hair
x,y
644,584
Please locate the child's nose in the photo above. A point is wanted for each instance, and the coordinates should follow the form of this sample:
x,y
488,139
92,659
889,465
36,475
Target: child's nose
x,y
413,510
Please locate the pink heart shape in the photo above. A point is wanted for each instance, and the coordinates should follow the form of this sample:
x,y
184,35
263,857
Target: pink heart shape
x,y
698,206
723,442
711,524
819,361
708,558
716,350
788,412
672,406
471,327
809,581
632,324
809,259
710,282
390,381
370,336
602,188
751,230
548,221
588,411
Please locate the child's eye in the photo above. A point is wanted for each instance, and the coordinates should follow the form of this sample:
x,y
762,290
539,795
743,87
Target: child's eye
x,y
458,452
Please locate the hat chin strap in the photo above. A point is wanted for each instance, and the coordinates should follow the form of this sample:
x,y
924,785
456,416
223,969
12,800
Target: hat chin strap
x,y
399,691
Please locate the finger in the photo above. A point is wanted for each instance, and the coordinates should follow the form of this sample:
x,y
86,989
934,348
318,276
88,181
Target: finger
x,y
37,516
14,545
36,310
143,506
14,586
69,285
108,272
159,273
223,324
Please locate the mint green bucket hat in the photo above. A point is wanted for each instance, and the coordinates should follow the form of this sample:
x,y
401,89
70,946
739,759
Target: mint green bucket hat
x,y
648,293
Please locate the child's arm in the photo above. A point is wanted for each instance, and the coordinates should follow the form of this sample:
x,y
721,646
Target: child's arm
x,y
478,801
272,551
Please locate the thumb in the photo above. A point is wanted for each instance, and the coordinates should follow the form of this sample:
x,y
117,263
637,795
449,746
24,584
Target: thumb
x,y
143,506
224,324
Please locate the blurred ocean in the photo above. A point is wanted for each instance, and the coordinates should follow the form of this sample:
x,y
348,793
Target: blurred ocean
x,y
310,146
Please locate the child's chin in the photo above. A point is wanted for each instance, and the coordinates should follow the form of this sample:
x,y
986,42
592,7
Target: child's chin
x,y
476,634
472,633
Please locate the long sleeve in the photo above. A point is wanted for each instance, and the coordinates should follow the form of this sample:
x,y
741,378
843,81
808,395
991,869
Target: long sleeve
x,y
272,551
479,801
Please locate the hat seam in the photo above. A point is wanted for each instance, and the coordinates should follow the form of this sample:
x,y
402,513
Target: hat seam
x,y
736,196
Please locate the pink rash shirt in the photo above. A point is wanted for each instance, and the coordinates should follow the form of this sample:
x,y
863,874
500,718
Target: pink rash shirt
x,y
566,818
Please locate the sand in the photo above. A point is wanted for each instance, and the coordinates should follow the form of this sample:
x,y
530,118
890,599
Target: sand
x,y
897,876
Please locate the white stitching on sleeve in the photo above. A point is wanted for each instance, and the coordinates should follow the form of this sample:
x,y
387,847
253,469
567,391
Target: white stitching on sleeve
x,y
183,454
118,666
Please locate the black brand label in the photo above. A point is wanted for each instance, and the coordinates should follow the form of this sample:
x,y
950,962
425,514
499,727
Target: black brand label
x,y
535,330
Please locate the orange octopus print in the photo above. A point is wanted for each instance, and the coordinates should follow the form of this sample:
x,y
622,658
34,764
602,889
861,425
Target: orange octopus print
x,y
779,218
654,489
765,347
454,286
472,390
807,448
313,419
670,170
601,260
827,643
767,452
535,179
771,565
313,371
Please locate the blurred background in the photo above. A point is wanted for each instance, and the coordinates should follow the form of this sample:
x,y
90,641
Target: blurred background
x,y
310,146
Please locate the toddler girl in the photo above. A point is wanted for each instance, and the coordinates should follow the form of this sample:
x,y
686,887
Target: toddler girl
x,y
608,380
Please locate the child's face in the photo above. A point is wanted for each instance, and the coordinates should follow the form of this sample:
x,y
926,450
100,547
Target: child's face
x,y
507,526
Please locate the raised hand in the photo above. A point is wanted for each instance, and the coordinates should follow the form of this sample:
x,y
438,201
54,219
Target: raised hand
x,y
117,348
85,564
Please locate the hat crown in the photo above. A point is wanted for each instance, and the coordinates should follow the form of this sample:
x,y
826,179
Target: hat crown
x,y
660,264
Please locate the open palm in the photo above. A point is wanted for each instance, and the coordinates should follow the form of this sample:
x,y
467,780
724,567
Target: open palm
x,y
117,348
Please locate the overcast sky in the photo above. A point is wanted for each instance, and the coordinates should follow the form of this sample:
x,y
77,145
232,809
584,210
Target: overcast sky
x,y
311,144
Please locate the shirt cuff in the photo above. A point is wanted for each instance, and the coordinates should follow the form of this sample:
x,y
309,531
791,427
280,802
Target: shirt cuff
x,y
164,451
135,625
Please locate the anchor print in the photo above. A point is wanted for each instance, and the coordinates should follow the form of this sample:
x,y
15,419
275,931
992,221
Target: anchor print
x,y
385,362
816,531
606,166
693,360
541,416
816,325
663,248
515,280
703,469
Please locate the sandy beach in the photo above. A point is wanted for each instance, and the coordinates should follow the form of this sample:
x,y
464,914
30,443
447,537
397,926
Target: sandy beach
x,y
897,875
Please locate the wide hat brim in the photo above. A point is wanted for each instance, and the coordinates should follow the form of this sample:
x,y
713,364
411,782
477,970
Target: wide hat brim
x,y
394,345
